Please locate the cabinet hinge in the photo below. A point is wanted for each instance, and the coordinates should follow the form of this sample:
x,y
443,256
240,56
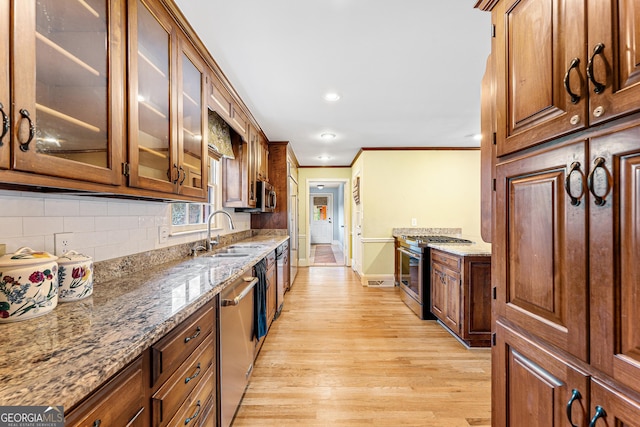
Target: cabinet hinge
x,y
494,137
493,183
493,30
125,169
495,292
493,339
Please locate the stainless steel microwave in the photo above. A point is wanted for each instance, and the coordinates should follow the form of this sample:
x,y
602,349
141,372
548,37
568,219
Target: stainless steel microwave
x,y
266,200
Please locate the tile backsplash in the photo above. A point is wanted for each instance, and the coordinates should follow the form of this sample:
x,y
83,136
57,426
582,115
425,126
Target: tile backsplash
x,y
102,228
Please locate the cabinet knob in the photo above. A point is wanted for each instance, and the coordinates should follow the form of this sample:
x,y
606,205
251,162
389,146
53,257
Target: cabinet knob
x,y
574,120
598,111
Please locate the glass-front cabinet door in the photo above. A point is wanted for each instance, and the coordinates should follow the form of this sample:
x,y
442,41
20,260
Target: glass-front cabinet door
x,y
67,118
191,122
153,162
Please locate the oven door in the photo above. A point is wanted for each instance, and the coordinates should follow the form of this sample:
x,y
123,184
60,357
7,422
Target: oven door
x,y
410,267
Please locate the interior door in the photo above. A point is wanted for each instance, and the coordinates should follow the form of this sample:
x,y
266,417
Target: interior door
x,y
321,218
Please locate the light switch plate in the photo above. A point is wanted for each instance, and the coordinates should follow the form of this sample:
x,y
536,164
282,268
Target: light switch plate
x,y
163,234
414,222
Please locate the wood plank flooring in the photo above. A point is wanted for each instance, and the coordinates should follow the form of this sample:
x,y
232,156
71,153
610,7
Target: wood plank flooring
x,y
345,355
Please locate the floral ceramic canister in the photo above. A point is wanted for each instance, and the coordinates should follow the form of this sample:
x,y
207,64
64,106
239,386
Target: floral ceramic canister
x,y
75,276
28,284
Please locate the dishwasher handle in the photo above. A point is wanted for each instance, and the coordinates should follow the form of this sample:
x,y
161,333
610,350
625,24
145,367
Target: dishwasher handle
x,y
231,302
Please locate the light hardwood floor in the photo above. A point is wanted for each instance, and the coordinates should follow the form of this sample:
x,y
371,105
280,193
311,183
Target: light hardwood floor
x,y
344,355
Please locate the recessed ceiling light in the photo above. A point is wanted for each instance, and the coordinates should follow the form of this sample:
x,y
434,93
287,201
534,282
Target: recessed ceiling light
x,y
477,137
331,96
324,157
320,186
328,136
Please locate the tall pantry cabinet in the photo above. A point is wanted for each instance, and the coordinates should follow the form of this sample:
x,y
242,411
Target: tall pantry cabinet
x,y
566,225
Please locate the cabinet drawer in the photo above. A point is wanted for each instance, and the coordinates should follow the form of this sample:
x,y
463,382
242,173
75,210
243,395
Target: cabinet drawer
x,y
166,401
194,410
451,261
171,350
120,402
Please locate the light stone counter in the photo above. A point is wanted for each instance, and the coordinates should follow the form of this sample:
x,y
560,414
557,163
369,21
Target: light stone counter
x,y
477,248
61,357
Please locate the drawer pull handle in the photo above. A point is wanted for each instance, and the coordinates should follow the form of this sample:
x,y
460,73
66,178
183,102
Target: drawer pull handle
x,y
194,336
597,86
24,146
186,380
97,423
5,123
575,166
194,416
575,395
600,413
597,163
567,80
184,175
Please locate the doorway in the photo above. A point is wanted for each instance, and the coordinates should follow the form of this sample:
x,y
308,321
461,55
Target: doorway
x,y
326,222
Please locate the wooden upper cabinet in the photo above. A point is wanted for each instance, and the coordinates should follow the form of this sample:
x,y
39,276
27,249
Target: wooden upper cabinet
x,y
541,266
614,54
550,85
219,99
152,137
167,109
614,230
67,110
192,122
540,40
5,101
239,121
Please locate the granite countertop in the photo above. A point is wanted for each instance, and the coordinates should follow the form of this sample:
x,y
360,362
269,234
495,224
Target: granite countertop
x,y
478,247
61,357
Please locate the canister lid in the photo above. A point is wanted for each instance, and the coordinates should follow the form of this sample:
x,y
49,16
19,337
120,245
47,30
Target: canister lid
x,y
73,256
26,256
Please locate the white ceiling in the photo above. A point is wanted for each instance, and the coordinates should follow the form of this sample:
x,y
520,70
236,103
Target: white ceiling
x,y
408,71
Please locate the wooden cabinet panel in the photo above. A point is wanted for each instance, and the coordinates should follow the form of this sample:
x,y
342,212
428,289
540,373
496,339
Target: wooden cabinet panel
x,y
614,230
535,385
235,176
616,26
64,59
538,39
171,350
120,402
195,408
616,408
541,265
219,99
169,397
461,295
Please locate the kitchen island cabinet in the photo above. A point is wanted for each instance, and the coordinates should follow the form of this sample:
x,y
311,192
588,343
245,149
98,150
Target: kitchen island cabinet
x,y
461,295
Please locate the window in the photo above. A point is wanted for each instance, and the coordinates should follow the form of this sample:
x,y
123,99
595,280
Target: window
x,y
188,217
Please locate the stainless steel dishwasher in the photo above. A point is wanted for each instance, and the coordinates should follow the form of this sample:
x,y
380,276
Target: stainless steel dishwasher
x,y
236,345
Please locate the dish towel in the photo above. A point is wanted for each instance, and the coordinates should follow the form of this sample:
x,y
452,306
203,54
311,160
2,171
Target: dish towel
x,y
260,300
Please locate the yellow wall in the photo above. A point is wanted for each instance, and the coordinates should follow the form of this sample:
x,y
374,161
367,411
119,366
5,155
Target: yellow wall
x,y
439,188
318,174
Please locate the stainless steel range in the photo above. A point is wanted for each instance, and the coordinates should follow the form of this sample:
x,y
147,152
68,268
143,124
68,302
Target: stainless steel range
x,y
413,273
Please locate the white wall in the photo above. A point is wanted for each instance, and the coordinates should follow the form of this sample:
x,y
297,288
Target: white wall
x,y
102,228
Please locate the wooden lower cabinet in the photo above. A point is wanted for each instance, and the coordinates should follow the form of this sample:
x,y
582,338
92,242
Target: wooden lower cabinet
x,y
540,386
461,295
119,402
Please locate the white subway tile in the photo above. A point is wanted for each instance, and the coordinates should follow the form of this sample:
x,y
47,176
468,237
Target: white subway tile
x,y
146,221
61,207
10,227
42,226
34,242
117,208
21,206
93,208
79,223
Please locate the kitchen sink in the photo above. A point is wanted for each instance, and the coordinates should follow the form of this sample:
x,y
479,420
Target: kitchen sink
x,y
229,255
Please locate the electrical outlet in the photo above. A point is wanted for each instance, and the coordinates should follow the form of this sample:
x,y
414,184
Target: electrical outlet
x,y
63,242
163,234
414,222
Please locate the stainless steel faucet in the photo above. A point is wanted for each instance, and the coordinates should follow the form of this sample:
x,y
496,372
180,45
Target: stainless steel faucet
x,y
211,243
